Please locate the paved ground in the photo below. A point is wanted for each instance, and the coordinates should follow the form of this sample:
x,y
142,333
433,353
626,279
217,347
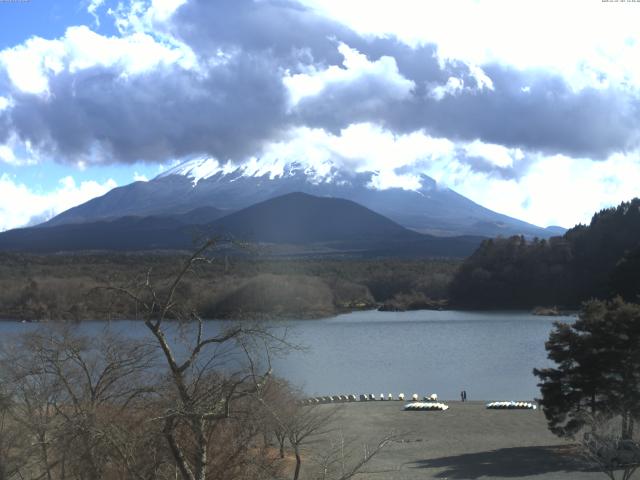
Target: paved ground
x,y
465,442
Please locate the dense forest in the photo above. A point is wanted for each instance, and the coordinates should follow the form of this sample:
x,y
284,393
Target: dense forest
x,y
71,287
599,260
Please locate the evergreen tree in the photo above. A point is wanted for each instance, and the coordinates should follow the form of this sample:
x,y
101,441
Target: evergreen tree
x,y
597,370
600,260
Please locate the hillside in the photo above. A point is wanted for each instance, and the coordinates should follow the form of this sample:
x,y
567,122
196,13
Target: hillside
x,y
301,218
431,209
63,287
294,224
599,260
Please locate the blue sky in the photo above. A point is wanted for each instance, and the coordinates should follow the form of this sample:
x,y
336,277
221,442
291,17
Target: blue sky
x,y
537,123
41,179
49,19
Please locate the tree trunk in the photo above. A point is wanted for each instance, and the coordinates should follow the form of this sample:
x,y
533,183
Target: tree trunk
x,y
176,451
281,438
625,425
201,450
296,474
45,455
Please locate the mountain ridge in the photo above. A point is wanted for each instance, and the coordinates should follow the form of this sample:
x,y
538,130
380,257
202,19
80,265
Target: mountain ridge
x,y
430,209
295,223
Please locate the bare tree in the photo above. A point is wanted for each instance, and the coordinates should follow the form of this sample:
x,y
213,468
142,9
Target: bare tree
x,y
188,402
608,447
205,396
311,431
343,460
70,393
13,439
309,421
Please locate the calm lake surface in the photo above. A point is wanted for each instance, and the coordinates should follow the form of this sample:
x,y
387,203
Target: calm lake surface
x,y
489,354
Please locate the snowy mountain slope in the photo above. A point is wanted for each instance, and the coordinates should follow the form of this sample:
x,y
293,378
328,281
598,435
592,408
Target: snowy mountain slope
x,y
204,182
292,224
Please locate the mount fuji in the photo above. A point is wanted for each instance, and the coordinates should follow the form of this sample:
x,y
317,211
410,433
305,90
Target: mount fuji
x,y
204,183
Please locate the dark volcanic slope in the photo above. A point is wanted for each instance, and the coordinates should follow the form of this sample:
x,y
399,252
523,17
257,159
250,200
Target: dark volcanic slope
x,y
431,209
127,233
333,224
300,218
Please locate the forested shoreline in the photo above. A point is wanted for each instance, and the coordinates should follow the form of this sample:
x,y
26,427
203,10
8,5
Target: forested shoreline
x,y
599,260
73,287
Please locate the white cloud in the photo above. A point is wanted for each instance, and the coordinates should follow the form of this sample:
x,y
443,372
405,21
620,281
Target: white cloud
x,y
6,155
359,148
138,177
30,64
456,86
5,103
554,190
141,15
390,179
93,7
356,65
494,154
19,204
601,48
161,10
17,152
453,87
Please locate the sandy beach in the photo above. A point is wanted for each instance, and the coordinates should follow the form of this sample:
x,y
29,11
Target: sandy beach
x,y
465,442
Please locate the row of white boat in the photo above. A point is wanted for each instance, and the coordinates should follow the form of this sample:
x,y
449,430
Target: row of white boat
x,y
426,406
429,402
511,405
364,397
492,405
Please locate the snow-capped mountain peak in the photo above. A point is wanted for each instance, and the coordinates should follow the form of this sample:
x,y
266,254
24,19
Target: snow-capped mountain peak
x,y
205,167
198,169
408,198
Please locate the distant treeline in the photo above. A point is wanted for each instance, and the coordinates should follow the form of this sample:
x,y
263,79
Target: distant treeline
x,y
72,287
600,260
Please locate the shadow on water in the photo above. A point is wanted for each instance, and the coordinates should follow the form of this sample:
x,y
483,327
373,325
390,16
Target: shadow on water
x,y
507,463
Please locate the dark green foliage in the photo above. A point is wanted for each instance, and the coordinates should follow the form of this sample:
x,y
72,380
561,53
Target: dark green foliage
x,y
289,224
515,273
596,261
597,372
625,277
63,287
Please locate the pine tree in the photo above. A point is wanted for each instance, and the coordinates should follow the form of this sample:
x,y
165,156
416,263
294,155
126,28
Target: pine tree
x,y
597,370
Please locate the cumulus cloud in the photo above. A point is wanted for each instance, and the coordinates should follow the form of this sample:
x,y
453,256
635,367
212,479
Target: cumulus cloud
x,y
544,190
406,89
356,69
558,190
153,117
597,51
92,9
22,206
226,78
549,118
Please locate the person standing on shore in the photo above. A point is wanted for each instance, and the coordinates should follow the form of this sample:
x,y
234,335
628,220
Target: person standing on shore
x,y
464,395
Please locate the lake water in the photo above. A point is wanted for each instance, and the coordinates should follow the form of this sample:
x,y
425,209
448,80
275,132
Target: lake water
x,y
491,355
